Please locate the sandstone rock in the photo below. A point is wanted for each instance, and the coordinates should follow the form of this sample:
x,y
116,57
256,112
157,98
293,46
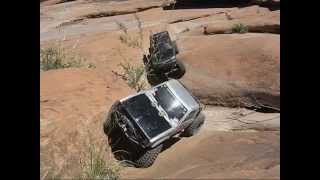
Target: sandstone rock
x,y
233,70
257,19
222,155
73,105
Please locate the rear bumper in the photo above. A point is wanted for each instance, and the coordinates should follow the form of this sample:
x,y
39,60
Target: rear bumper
x,y
164,67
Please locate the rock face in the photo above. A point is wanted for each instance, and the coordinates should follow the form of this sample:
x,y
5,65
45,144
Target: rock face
x,y
222,68
73,104
233,70
257,19
221,155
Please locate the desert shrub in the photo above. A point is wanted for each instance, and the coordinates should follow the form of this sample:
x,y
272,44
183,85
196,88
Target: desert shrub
x,y
129,39
240,28
95,166
90,161
168,2
93,161
133,75
56,58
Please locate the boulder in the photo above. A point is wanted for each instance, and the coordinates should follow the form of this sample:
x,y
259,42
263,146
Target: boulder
x,y
233,69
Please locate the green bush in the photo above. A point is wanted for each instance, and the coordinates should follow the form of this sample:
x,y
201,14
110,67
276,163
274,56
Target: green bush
x,y
133,75
56,58
240,28
94,166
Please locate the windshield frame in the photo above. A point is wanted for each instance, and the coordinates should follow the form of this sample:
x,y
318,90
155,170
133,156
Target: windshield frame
x,y
171,114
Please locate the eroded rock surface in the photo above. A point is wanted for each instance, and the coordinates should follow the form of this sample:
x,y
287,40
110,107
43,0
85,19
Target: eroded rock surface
x,y
223,68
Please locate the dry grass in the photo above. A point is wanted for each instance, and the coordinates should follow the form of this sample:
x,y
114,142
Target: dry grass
x,y
57,58
133,75
80,152
94,164
127,38
88,160
240,28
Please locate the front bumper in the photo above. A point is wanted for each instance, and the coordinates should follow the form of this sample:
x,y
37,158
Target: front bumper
x,y
121,125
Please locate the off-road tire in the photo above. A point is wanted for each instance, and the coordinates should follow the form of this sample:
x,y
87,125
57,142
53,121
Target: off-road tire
x,y
179,72
108,124
194,127
116,140
155,79
145,60
107,127
148,157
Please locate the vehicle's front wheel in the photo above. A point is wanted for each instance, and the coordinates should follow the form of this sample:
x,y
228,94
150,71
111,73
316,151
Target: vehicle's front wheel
x,y
194,126
179,71
148,157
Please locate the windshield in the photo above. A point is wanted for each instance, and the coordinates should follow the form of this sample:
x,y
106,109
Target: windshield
x,y
173,107
165,52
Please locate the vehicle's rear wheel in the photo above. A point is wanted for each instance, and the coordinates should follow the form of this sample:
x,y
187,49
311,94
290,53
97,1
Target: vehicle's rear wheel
x,y
179,71
155,79
194,127
148,157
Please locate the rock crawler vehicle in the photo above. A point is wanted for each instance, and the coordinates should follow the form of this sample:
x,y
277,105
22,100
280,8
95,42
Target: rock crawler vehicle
x,y
137,126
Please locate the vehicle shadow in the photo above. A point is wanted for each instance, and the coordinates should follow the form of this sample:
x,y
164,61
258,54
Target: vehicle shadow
x,y
199,4
125,151
170,142
203,4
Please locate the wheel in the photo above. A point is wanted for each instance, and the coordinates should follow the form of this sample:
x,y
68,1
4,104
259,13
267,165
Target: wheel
x,y
111,131
145,60
194,127
174,43
109,123
116,140
148,157
120,147
179,71
155,79
107,126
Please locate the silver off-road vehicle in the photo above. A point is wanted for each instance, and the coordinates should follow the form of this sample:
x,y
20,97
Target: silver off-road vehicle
x,y
138,125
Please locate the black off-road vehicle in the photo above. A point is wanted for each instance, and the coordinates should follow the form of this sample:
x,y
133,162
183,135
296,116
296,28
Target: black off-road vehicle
x,y
138,125
161,63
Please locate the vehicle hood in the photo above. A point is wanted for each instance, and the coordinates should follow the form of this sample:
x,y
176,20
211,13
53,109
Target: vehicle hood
x,y
146,116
